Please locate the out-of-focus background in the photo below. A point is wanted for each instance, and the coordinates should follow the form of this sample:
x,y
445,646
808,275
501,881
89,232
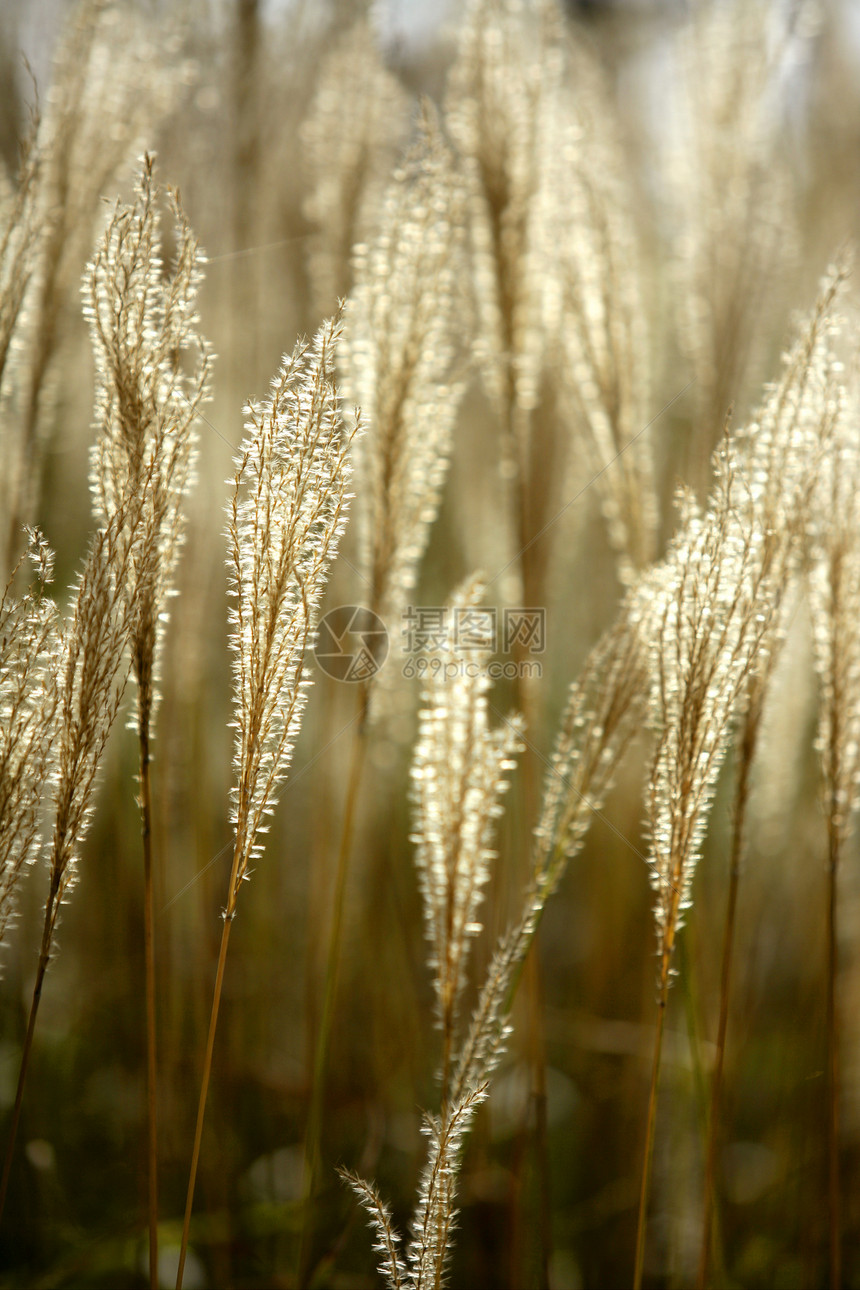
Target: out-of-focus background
x,y
245,105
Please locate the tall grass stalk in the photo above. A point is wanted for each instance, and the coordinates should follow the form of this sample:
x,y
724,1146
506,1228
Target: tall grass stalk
x,y
785,446
228,915
286,516
746,755
144,326
603,707
650,1127
313,1131
91,683
149,968
405,323
834,585
41,969
833,1179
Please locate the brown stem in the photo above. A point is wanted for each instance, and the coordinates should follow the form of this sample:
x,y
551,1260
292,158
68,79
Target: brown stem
x,y
649,1129
44,958
747,752
833,1060
149,956
207,1062
518,440
321,1054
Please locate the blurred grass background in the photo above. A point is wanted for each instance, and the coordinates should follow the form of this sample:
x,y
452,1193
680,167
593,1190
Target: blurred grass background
x,y
241,78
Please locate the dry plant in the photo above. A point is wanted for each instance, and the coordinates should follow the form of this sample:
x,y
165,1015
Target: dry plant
x,y
348,159
785,446
592,280
518,240
401,361
22,225
458,775
730,200
21,222
716,602
90,680
286,518
399,365
834,588
29,648
509,63
144,327
104,71
709,617
458,770
500,91
602,714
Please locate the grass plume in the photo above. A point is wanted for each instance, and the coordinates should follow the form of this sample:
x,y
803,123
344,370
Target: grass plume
x,y
286,516
143,327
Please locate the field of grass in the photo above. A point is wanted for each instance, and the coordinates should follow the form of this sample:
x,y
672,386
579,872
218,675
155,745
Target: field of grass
x,y
438,454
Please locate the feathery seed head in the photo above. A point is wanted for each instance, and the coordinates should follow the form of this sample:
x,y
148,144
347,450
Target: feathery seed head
x,y
509,64
29,654
713,606
348,155
602,714
91,686
458,775
405,324
286,516
144,327
834,589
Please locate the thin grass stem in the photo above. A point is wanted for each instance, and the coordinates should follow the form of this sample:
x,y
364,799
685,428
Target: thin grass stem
x,y
833,1182
44,959
535,1039
207,1061
709,1216
321,1051
145,803
645,1189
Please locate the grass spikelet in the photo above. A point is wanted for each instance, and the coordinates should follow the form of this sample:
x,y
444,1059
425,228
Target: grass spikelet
x,y
21,223
104,70
91,688
509,62
785,447
388,1242
286,516
143,326
404,324
435,1214
730,195
593,303
712,611
348,155
434,1220
458,775
29,650
602,714
599,721
834,589
91,682
715,602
